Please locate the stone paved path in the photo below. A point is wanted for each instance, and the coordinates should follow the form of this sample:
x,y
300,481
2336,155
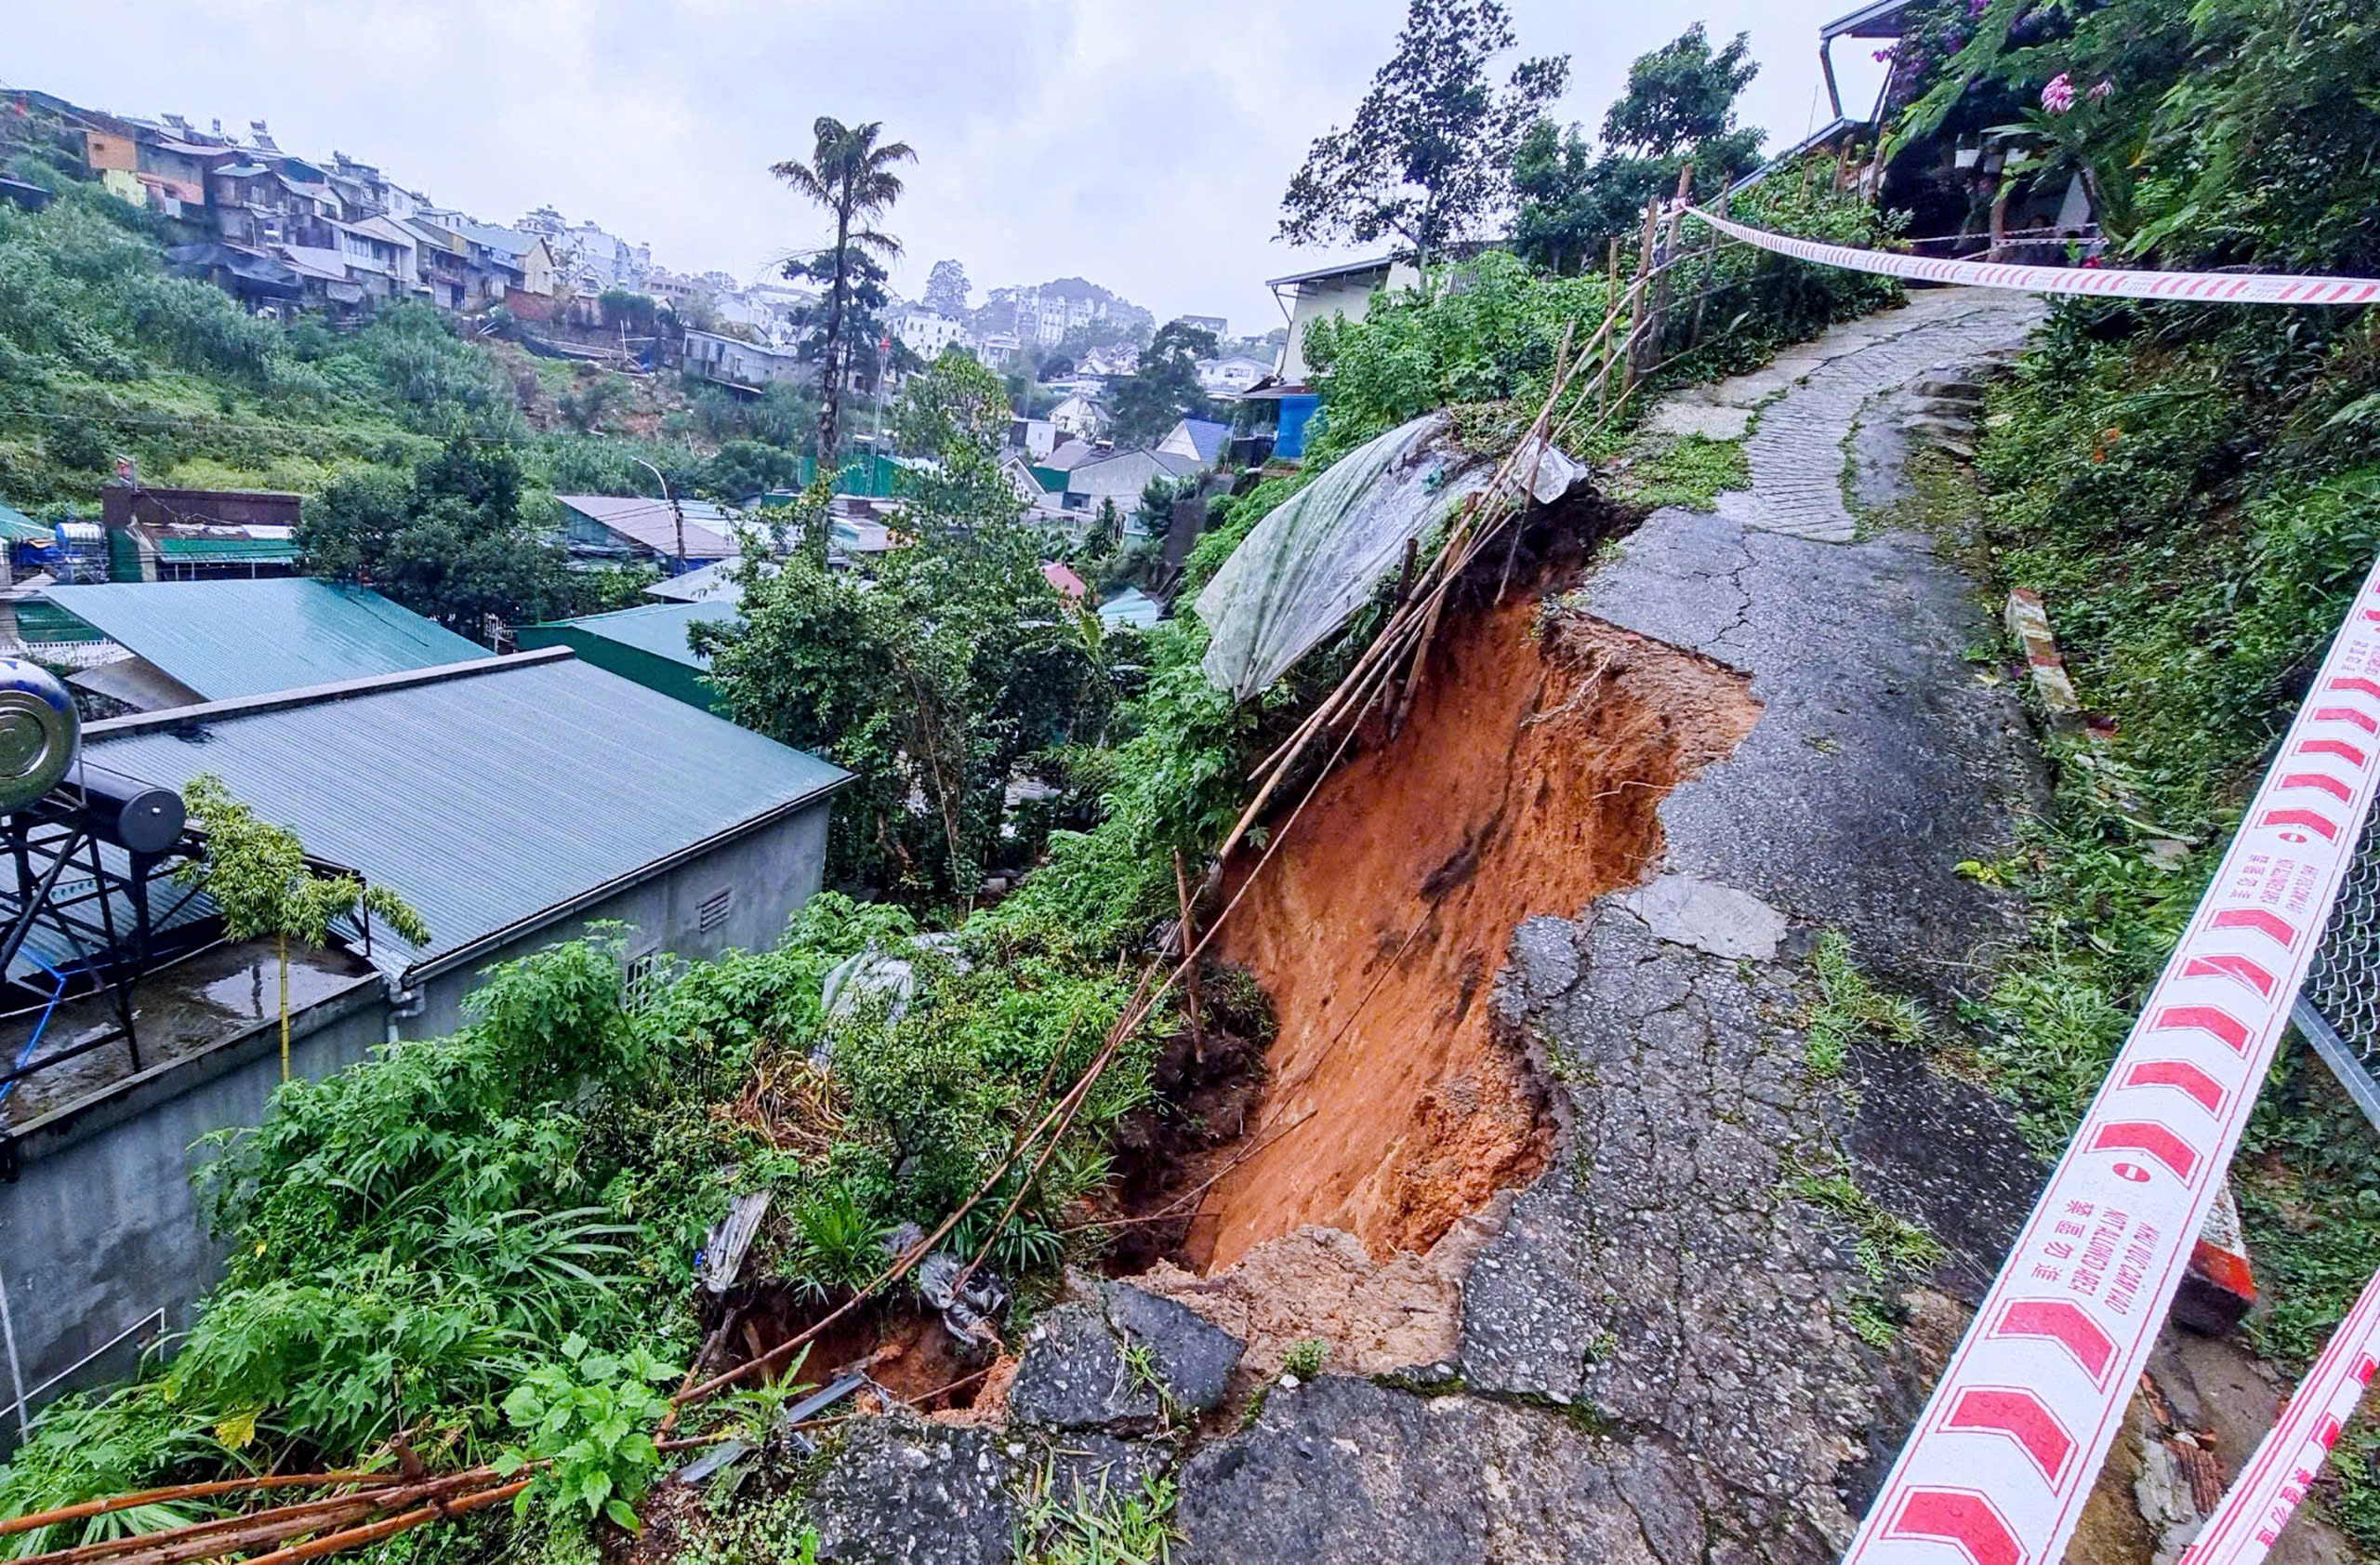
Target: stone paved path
x,y
1797,450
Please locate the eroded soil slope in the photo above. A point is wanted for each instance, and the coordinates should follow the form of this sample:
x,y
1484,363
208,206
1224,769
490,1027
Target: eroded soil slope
x,y
1526,781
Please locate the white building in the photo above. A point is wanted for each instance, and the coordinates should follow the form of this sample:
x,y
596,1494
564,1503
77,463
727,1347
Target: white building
x,y
996,347
927,332
1230,377
1078,417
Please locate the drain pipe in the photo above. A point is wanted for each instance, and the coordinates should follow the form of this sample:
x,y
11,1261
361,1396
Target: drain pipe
x,y
403,1003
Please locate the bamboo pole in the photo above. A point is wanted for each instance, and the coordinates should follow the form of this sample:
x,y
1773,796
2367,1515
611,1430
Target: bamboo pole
x,y
189,1492
1182,895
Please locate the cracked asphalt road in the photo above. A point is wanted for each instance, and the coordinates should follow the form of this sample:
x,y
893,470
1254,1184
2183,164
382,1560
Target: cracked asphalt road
x,y
1663,1297
1661,1356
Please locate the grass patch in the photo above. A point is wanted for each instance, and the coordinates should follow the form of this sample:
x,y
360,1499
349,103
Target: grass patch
x,y
1691,470
1849,1006
1095,1526
1888,1247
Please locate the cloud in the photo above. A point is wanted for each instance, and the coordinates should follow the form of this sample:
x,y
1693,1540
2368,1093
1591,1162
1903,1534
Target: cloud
x,y
1142,145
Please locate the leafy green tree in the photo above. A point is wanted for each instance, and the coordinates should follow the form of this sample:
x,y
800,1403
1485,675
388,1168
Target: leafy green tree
x,y
452,545
741,469
929,683
257,875
947,289
1679,107
626,307
955,415
2236,132
849,173
1164,389
1426,157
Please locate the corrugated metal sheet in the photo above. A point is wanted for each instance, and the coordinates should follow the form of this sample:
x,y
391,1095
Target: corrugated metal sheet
x,y
488,798
659,628
265,549
226,639
654,524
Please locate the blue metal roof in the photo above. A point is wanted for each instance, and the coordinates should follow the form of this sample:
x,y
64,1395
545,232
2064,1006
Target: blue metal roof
x,y
232,638
493,797
659,628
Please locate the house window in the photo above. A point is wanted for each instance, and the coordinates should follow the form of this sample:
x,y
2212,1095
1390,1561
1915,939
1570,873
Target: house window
x,y
714,908
645,978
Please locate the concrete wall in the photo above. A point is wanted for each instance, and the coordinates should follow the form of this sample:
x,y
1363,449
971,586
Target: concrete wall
x,y
101,1242
101,1238
769,873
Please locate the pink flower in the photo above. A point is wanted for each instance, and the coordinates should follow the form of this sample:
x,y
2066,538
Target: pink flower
x,y
2058,96
2099,90
1885,53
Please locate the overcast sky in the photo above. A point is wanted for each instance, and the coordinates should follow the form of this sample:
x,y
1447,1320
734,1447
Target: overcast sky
x,y
1143,145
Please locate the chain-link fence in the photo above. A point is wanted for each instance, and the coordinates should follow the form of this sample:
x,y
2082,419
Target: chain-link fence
x,y
2338,1008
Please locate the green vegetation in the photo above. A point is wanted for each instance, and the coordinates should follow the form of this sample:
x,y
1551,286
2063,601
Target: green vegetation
x,y
1489,331
1691,470
2192,491
1424,160
849,173
257,875
1097,1527
1163,390
1848,1006
1679,107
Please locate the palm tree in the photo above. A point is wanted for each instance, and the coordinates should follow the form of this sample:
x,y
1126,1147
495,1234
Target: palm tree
x,y
851,176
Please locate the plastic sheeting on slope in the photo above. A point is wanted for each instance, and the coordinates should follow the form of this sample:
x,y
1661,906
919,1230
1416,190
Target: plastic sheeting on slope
x,y
1305,569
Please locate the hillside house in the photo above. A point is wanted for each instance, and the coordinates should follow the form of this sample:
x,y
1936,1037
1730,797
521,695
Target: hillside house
x,y
732,361
1229,377
1079,417
1120,476
1200,441
1346,290
632,529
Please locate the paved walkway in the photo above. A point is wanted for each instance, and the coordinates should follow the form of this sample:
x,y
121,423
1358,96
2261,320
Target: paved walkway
x,y
1796,451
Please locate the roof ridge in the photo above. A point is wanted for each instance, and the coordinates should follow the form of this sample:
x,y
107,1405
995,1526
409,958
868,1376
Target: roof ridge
x,y
315,694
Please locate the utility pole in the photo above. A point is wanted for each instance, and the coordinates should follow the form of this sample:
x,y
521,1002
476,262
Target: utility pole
x,y
676,512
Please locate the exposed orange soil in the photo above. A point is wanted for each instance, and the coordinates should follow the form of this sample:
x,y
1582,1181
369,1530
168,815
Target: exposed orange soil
x,y
1525,782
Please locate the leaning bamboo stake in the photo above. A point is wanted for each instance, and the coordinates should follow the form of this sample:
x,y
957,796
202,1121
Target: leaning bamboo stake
x,y
359,1537
188,1491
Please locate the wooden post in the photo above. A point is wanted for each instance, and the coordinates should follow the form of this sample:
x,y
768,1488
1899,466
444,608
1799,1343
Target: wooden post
x,y
1189,960
1640,293
1610,313
1405,571
1709,271
1668,259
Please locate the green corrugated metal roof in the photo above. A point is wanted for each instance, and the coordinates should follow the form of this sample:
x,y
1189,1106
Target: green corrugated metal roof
x,y
659,628
486,798
226,548
245,638
16,528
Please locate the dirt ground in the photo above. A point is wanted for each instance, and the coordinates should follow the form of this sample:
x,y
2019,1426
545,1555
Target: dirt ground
x,y
1526,781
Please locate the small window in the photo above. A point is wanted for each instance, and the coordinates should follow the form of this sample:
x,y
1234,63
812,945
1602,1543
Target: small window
x,y
714,910
643,982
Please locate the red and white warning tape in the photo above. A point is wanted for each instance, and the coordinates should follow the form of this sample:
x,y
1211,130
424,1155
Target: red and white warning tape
x,y
2001,1462
2245,1525
2209,288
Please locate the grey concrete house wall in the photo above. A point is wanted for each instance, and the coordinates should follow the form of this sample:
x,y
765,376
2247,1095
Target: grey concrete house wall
x,y
102,1246
765,875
